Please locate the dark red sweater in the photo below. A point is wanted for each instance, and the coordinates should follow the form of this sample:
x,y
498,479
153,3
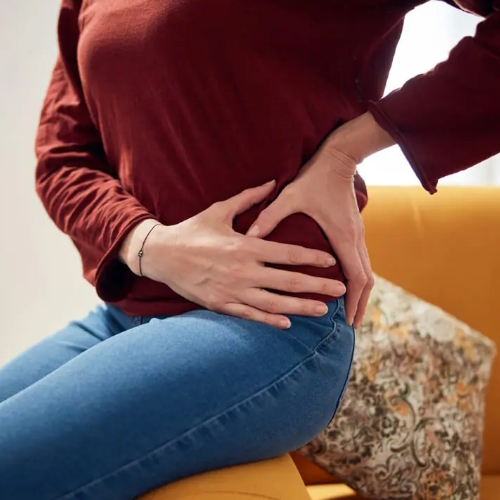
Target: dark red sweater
x,y
159,108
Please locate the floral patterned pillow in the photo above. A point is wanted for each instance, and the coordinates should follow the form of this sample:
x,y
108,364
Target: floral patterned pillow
x,y
411,422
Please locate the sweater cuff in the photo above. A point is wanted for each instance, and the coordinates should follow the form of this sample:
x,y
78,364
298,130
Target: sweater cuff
x,y
113,279
376,109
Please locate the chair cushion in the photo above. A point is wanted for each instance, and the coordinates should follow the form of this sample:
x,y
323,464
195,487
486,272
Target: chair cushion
x,y
411,422
332,492
276,479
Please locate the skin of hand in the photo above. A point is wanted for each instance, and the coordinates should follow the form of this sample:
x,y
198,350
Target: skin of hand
x,y
324,190
204,260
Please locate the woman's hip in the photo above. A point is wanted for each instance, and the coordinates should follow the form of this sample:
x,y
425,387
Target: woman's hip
x,y
290,381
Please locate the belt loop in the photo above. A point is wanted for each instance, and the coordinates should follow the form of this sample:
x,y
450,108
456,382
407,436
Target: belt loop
x,y
136,321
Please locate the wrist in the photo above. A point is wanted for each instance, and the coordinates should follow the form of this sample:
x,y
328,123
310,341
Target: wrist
x,y
359,138
133,242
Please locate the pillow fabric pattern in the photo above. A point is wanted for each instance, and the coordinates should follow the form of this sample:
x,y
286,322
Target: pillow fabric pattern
x,y
411,421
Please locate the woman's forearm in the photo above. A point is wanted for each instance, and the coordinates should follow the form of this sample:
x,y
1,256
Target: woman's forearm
x,y
359,138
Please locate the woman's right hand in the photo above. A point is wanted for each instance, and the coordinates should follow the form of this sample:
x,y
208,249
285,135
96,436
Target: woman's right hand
x,y
205,261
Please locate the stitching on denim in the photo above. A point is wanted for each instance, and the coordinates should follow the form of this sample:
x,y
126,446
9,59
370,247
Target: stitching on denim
x,y
333,334
334,314
165,446
348,377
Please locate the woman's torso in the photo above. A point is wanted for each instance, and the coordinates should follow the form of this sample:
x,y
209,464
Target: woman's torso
x,y
196,100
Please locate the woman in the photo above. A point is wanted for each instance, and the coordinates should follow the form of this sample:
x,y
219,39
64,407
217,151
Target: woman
x,y
160,120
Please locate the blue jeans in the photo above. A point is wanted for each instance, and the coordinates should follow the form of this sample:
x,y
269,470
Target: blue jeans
x,y
113,406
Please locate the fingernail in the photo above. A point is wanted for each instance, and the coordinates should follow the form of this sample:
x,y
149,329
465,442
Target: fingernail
x,y
253,231
285,323
270,182
331,261
321,309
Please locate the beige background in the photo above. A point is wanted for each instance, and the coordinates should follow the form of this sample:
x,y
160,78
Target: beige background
x,y
40,284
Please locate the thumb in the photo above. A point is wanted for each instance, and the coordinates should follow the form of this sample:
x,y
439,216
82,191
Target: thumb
x,y
246,199
269,218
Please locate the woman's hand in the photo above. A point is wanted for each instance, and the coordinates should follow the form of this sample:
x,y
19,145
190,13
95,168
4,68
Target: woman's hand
x,y
324,190
205,261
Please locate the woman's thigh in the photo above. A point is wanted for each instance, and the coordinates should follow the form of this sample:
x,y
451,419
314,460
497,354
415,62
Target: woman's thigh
x,y
56,350
169,399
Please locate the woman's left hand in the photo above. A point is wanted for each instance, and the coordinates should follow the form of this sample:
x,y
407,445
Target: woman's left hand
x,y
324,190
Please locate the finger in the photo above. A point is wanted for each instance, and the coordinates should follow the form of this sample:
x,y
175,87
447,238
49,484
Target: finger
x,y
291,282
252,314
270,217
354,272
281,304
246,199
363,302
270,252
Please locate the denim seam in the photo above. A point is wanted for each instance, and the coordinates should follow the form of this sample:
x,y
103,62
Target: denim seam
x,y
333,333
334,324
203,424
348,377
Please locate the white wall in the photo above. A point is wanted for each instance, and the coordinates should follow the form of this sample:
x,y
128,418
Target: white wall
x,y
40,284
41,288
